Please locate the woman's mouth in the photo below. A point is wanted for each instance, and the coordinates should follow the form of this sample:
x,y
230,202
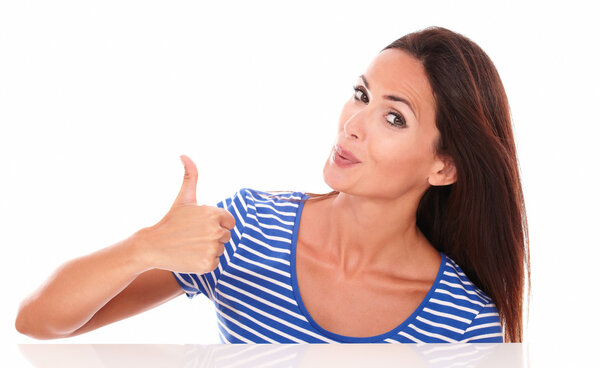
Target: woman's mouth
x,y
344,158
347,155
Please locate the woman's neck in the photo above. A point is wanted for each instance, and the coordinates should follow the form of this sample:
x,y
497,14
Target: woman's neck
x,y
363,234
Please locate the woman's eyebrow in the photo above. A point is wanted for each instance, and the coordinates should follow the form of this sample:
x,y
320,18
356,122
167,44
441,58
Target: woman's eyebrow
x,y
391,97
362,76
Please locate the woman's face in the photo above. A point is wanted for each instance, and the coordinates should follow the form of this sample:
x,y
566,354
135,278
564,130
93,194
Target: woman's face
x,y
388,124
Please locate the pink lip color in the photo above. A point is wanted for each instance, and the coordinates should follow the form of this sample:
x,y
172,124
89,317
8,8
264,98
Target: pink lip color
x,y
345,154
341,161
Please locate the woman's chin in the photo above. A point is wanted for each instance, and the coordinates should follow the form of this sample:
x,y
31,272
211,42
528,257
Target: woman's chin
x,y
336,182
333,179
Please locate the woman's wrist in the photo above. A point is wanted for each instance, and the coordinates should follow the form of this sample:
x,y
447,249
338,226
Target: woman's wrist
x,y
138,251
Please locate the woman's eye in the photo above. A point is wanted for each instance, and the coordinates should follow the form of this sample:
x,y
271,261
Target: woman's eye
x,y
360,95
396,119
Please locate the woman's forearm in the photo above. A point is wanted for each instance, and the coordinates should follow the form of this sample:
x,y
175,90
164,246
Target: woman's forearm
x,y
78,289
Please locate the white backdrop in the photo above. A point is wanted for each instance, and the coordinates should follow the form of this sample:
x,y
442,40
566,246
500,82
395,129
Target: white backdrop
x,y
99,98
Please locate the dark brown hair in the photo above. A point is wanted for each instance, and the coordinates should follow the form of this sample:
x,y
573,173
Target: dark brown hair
x,y
480,220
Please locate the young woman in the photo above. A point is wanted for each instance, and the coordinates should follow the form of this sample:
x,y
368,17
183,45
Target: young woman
x,y
423,238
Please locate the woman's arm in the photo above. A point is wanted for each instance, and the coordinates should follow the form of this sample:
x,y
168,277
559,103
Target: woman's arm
x,y
133,275
94,290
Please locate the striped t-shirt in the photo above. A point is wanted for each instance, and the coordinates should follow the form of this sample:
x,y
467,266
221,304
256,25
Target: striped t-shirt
x,y
255,290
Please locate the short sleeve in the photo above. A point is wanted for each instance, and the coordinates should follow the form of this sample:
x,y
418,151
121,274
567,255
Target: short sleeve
x,y
485,327
194,284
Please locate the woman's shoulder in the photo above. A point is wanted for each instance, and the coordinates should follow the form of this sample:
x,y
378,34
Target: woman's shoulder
x,y
454,281
464,305
266,208
273,197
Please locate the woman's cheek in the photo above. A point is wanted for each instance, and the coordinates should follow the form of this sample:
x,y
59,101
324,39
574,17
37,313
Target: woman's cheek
x,y
400,157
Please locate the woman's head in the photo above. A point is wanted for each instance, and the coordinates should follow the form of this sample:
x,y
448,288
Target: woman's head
x,y
448,142
389,125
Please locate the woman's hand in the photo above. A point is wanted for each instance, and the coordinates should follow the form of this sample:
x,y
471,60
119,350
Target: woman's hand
x,y
190,238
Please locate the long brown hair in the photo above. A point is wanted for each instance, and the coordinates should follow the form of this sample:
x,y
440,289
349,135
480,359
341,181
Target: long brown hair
x,y
480,220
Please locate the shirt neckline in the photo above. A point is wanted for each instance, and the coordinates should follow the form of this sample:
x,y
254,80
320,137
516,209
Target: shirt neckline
x,y
343,338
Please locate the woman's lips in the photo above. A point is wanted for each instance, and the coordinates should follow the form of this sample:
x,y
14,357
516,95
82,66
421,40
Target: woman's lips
x,y
343,158
347,155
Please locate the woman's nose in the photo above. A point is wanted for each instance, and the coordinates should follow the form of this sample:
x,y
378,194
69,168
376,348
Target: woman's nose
x,y
354,125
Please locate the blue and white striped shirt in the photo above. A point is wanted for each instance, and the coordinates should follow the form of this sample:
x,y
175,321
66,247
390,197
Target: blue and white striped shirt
x,y
255,290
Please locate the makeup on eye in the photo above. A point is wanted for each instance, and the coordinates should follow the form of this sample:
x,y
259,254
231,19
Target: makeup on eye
x,y
398,119
389,97
364,96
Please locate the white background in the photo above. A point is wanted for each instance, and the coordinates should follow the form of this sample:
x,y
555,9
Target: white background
x,y
99,98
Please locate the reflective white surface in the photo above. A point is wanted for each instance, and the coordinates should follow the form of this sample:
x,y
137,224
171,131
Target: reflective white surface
x,y
302,355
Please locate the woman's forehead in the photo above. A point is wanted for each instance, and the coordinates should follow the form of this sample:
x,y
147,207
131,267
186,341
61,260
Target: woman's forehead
x,y
394,71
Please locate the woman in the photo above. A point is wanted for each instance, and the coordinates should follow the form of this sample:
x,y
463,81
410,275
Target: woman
x,y
425,178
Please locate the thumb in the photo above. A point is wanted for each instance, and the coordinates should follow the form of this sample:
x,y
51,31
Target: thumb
x,y
187,193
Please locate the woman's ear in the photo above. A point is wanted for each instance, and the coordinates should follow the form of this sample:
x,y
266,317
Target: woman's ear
x,y
444,172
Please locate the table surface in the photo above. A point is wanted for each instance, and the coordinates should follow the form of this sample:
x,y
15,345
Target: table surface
x,y
299,355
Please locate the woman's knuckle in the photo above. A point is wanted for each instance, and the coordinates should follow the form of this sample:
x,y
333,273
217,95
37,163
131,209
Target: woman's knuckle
x,y
215,233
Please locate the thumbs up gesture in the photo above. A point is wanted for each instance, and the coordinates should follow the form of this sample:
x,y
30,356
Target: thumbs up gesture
x,y
190,238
